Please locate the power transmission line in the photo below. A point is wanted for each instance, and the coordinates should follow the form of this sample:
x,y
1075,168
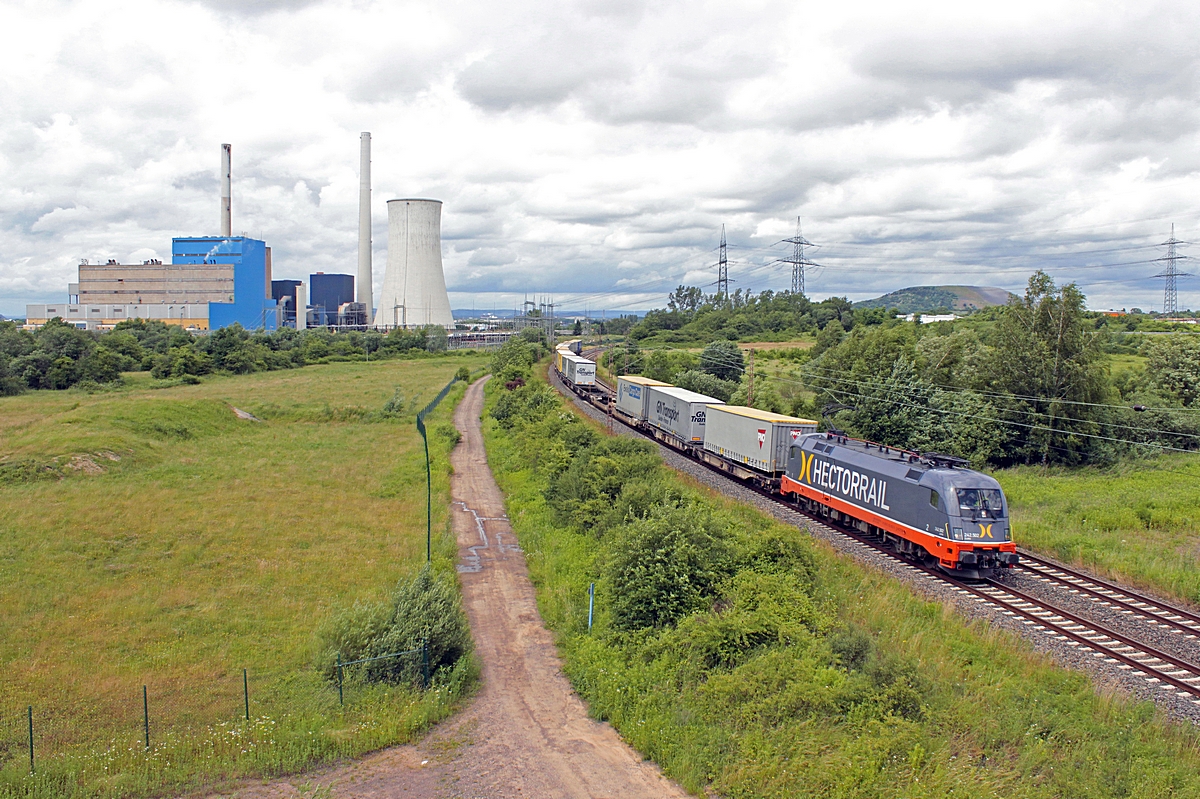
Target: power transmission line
x,y
723,268
798,259
1172,273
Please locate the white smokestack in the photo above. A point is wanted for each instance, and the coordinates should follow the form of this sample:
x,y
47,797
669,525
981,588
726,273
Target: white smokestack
x,y
365,272
414,286
226,171
301,307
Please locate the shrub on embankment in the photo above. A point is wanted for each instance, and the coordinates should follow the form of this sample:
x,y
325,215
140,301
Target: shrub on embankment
x,y
744,658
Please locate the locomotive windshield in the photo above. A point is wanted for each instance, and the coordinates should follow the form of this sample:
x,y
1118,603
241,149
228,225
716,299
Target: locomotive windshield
x,y
981,501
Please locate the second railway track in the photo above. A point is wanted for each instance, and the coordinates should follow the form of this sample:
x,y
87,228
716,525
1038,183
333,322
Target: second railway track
x,y
1161,671
1122,599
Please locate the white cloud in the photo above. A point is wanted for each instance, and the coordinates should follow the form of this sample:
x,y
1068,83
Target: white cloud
x,y
593,150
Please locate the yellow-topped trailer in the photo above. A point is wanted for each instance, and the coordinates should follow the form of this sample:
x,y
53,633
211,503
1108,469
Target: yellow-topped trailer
x,y
750,443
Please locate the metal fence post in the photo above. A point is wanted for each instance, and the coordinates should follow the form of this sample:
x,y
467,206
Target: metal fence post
x,y
425,663
428,475
31,739
428,499
339,677
591,604
146,715
246,692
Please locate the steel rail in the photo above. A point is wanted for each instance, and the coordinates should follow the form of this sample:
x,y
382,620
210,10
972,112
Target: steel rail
x,y
1069,625
1154,610
1097,638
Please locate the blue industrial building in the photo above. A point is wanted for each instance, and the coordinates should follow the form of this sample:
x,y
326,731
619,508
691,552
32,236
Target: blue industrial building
x,y
326,295
253,306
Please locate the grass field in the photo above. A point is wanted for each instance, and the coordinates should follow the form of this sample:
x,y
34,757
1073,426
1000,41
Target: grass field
x,y
1137,522
153,538
744,697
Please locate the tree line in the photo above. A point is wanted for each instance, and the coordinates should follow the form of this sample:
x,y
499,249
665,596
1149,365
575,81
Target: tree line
x,y
1025,383
59,355
691,316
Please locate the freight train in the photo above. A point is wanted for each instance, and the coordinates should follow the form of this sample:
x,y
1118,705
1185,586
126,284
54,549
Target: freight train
x,y
929,507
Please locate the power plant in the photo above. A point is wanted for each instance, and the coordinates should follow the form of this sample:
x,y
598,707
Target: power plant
x,y
414,285
215,281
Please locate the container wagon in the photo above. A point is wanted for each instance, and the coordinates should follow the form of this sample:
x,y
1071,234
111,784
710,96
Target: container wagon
x,y
632,403
673,412
751,444
578,371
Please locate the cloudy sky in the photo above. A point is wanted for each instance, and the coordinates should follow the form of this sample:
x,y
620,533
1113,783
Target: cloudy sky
x,y
591,151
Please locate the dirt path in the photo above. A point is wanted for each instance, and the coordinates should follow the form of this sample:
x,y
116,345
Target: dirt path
x,y
527,734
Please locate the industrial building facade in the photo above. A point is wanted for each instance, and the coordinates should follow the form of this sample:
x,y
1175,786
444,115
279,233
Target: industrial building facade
x,y
154,283
327,295
211,282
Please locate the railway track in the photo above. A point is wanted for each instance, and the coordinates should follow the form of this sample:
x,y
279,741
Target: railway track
x,y
1125,600
1159,669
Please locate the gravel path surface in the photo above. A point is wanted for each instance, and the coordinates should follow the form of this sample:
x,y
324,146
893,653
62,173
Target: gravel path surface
x,y
1103,670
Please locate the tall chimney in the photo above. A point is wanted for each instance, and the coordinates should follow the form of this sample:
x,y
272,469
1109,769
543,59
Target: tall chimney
x,y
226,169
365,272
301,307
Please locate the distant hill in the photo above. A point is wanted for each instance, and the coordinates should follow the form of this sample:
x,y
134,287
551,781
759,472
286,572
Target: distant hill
x,y
922,299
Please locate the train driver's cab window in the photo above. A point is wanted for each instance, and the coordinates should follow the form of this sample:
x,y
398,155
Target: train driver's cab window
x,y
986,502
933,498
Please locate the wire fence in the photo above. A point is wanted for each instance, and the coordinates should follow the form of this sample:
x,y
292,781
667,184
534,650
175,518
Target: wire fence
x,y
129,737
380,668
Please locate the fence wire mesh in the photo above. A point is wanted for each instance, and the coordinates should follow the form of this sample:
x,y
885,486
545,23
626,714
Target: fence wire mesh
x,y
215,726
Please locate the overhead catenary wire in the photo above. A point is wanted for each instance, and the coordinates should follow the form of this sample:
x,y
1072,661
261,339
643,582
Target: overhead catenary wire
x,y
873,384
1128,442
957,390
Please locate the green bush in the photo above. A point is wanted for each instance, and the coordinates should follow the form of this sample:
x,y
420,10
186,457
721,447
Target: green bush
x,y
424,609
10,383
526,402
180,361
704,383
515,359
723,360
394,407
667,565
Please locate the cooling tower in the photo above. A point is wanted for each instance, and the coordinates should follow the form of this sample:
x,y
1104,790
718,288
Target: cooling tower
x,y
414,287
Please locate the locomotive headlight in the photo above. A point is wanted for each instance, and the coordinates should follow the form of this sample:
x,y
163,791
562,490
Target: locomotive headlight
x,y
958,534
